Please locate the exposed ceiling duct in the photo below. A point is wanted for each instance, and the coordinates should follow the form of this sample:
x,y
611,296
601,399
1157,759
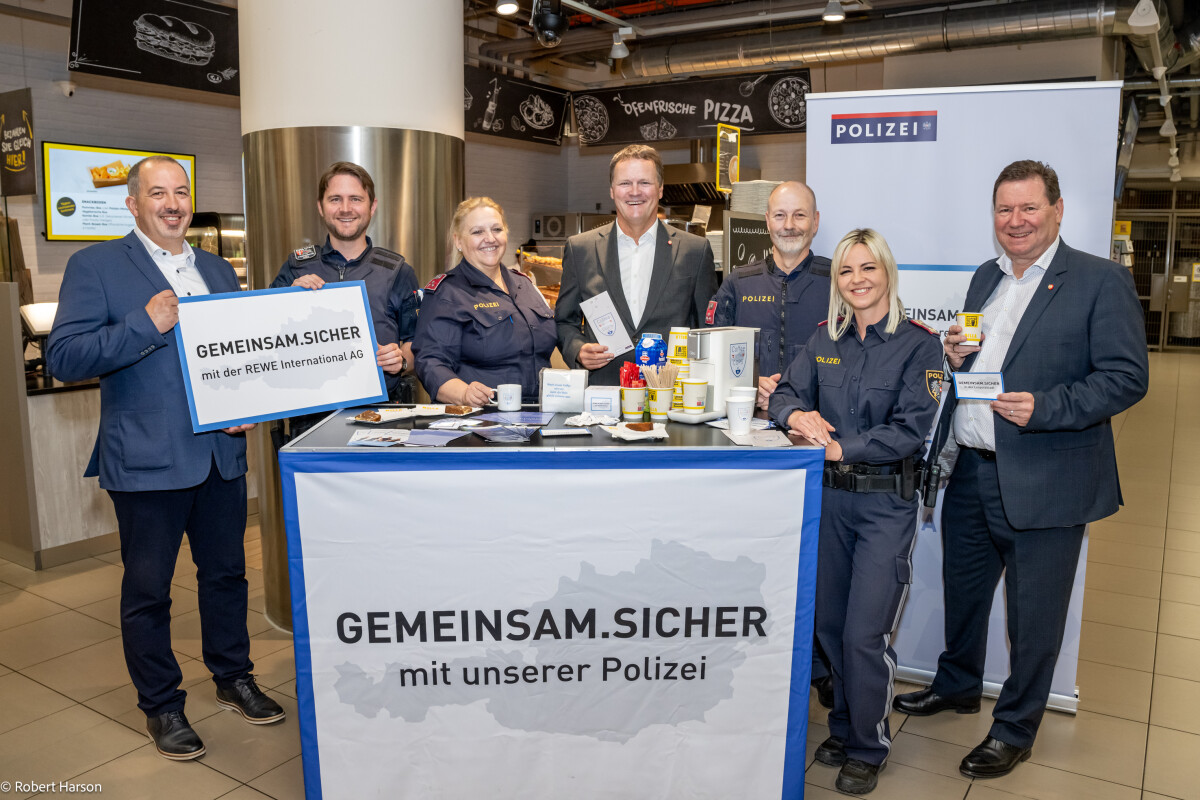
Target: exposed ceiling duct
x,y
941,30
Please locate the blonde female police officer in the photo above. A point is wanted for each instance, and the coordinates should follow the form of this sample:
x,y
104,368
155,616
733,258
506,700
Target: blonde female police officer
x,y
864,386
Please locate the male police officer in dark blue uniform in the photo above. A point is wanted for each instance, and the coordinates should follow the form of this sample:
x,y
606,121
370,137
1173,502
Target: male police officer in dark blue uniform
x,y
346,201
786,295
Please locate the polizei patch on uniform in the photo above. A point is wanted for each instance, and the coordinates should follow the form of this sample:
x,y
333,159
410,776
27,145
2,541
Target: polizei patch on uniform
x,y
933,382
305,253
710,316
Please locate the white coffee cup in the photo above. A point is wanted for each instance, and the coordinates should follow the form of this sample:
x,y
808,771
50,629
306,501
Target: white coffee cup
x,y
739,411
695,396
744,391
508,397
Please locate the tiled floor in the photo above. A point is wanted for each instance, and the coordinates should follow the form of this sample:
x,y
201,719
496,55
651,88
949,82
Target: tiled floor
x,y
68,713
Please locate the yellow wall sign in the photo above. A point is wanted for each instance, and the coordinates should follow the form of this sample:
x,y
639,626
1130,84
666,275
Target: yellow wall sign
x,y
729,144
1122,227
1196,272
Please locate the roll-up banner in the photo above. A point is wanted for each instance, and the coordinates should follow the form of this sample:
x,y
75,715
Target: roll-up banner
x,y
919,166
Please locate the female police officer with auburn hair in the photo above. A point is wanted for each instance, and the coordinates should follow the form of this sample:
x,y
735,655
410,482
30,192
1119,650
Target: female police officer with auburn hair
x,y
864,386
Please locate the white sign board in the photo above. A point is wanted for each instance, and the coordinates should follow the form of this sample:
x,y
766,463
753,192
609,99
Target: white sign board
x,y
564,648
918,165
254,356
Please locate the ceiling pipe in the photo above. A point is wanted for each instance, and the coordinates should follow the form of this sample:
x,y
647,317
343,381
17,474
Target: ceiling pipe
x,y
876,37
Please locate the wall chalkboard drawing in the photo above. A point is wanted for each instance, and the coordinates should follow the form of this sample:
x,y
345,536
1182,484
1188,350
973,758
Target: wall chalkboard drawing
x,y
174,38
787,102
537,112
592,117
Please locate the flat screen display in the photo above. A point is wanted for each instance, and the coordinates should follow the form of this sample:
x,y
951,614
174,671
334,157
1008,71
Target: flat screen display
x,y
85,187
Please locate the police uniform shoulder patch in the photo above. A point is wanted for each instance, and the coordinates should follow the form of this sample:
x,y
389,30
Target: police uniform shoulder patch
x,y
933,382
385,258
305,253
516,271
710,316
433,284
925,327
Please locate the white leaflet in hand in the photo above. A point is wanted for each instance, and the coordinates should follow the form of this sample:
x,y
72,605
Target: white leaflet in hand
x,y
606,324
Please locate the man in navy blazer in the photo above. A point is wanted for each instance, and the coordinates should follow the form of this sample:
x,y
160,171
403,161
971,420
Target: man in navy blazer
x,y
1034,466
658,277
118,304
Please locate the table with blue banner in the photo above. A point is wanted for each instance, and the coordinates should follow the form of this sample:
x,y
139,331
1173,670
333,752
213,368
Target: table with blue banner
x,y
565,617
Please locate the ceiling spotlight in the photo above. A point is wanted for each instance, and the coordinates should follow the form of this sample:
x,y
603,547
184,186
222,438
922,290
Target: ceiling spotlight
x,y
1168,128
1144,18
834,12
619,50
506,8
1175,176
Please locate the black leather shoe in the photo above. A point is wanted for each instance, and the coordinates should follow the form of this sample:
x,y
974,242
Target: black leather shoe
x,y
173,737
993,758
244,697
926,702
858,777
832,752
824,687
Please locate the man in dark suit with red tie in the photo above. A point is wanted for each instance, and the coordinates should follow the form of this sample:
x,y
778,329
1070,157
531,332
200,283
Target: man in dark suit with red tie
x,y
1035,465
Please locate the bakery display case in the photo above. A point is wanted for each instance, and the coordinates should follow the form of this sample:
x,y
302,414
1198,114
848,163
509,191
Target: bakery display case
x,y
222,235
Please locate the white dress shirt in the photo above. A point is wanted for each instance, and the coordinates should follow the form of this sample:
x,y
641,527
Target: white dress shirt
x,y
179,270
637,264
973,424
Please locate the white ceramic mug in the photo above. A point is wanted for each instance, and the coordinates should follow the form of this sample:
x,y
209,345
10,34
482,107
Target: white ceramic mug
x,y
695,395
508,397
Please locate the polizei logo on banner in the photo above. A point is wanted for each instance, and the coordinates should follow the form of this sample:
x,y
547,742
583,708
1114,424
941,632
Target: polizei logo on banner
x,y
884,126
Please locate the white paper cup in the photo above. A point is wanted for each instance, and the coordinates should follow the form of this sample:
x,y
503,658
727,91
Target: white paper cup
x,y
739,410
660,403
508,397
972,327
633,403
695,394
745,391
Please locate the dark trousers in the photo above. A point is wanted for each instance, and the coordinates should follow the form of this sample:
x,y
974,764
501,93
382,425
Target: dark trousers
x,y
865,568
1039,570
151,526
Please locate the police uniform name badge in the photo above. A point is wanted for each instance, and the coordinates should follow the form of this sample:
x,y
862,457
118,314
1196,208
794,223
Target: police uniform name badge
x,y
978,385
606,324
273,353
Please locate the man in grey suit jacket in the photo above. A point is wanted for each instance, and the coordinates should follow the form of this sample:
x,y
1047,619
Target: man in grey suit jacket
x,y
1065,329
118,304
658,277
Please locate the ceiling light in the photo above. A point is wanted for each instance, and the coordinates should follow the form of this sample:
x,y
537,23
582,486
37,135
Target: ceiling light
x,y
1144,18
507,8
834,12
1168,128
619,50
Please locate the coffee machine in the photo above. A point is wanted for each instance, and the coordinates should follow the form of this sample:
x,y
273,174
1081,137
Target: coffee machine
x,y
725,357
